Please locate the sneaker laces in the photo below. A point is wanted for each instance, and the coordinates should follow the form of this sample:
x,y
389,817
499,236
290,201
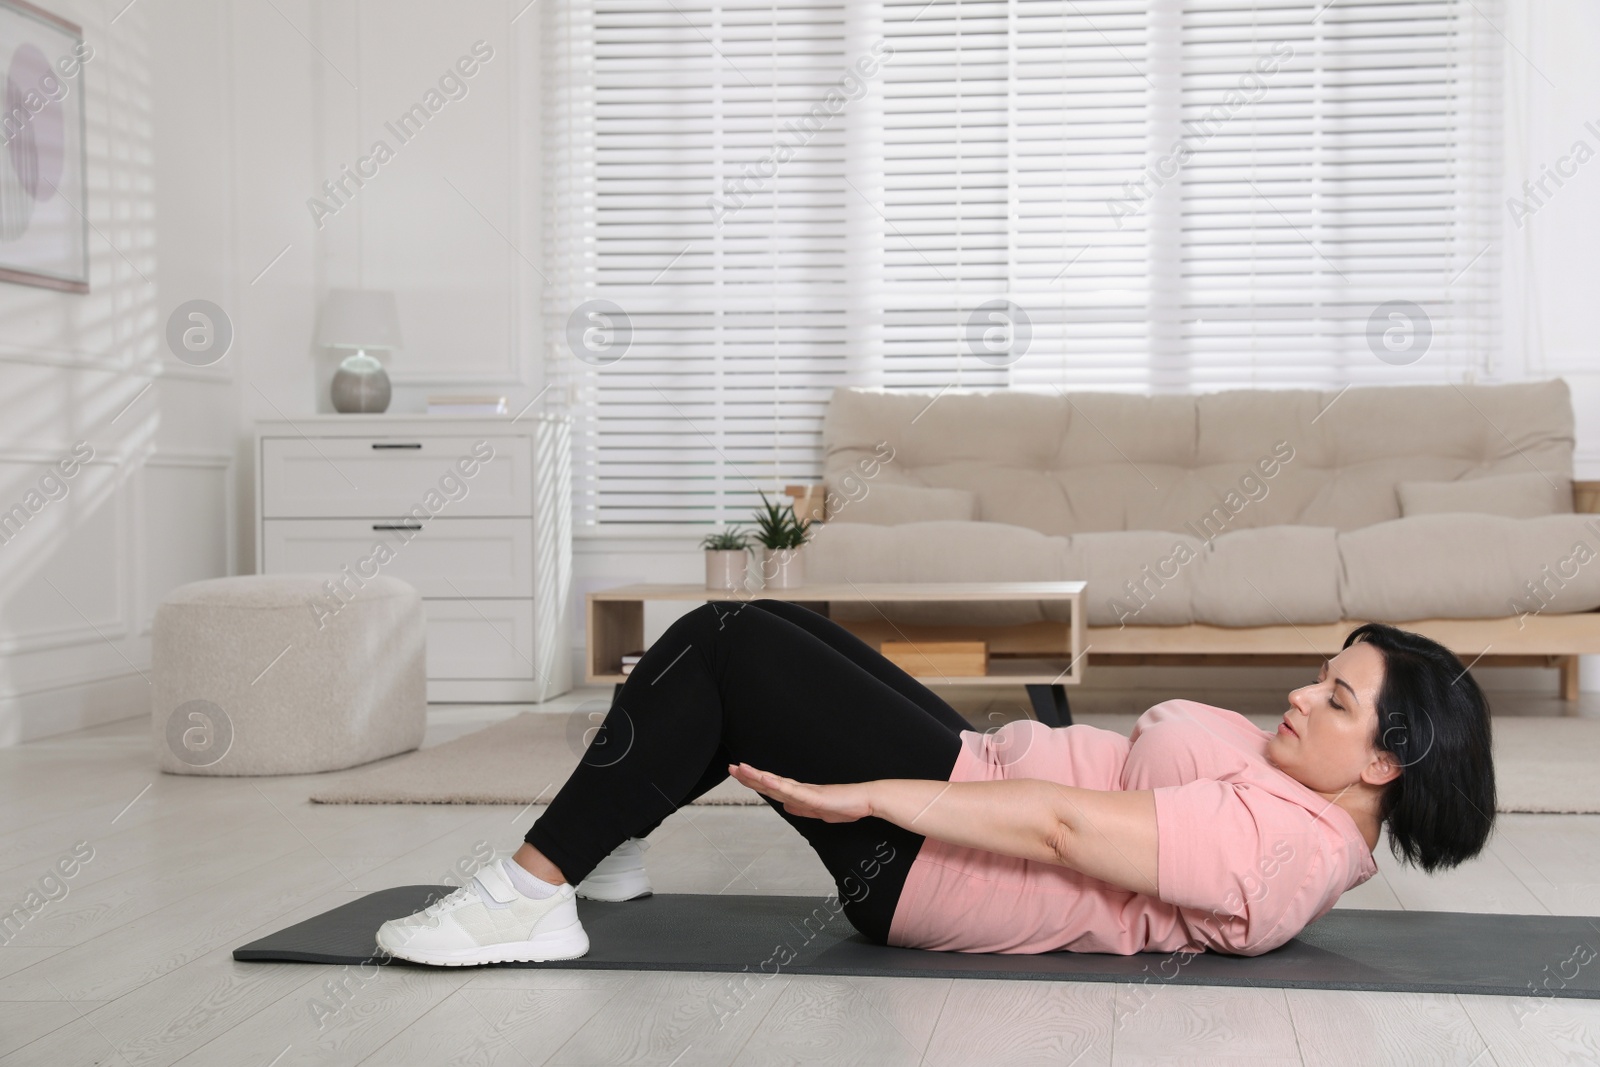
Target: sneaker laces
x,y
463,895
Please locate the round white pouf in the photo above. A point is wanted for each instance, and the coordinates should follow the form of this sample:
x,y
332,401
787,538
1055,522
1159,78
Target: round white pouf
x,y
286,674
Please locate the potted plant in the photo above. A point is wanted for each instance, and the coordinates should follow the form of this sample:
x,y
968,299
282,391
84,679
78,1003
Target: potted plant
x,y
727,558
780,533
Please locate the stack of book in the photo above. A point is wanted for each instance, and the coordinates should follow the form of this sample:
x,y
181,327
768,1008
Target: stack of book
x,y
629,660
467,405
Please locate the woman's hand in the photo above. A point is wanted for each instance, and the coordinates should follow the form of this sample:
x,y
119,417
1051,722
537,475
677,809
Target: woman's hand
x,y
845,802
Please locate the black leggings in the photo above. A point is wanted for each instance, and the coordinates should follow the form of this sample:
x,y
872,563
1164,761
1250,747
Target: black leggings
x,y
779,687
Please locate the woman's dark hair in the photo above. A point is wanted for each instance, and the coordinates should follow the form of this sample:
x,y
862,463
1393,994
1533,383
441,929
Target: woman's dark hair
x,y
1433,719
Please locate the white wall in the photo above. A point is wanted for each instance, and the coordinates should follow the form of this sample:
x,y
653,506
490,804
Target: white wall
x,y
1553,257
451,222
80,581
448,222
1552,318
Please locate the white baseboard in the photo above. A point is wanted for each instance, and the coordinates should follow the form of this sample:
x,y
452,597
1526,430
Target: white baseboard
x,y
29,716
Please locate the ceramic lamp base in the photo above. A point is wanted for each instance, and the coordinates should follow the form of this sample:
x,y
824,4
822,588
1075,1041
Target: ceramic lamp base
x,y
360,386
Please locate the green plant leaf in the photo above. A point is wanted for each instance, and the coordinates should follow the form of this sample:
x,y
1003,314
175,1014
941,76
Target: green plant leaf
x,y
777,526
727,539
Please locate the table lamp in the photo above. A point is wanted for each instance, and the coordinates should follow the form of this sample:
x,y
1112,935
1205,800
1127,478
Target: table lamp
x,y
363,320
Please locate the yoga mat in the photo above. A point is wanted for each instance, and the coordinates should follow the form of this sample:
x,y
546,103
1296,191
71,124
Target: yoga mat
x,y
1394,951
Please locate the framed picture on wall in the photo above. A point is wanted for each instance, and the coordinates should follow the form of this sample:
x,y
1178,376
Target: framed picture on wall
x,y
44,228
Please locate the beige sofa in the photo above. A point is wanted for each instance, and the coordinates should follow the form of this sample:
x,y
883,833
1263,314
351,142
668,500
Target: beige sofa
x,y
1257,524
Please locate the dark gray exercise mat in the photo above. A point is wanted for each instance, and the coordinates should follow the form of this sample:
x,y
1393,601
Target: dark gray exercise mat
x,y
1410,951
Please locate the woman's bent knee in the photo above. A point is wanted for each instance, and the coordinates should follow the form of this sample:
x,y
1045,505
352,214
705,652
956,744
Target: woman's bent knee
x,y
706,618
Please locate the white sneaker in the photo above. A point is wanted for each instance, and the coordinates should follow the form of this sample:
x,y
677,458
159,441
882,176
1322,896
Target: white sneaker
x,y
489,920
620,876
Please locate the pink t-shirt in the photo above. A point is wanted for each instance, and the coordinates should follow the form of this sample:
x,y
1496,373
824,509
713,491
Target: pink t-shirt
x,y
1246,855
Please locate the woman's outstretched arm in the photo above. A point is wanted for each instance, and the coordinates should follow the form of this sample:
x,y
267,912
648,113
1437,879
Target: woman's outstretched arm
x,y
1106,834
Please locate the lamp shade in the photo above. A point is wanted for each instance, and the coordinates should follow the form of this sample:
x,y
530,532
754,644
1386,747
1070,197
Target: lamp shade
x,y
359,318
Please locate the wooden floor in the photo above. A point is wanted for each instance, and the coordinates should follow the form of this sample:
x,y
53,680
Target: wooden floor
x,y
131,966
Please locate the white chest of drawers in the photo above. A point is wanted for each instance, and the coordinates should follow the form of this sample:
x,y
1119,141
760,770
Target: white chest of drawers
x,y
473,512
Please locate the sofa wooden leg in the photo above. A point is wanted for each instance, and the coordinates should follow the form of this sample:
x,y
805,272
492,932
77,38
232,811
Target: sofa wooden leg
x,y
1569,677
1050,704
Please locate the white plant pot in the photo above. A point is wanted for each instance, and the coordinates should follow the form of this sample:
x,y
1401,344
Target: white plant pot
x,y
726,568
783,568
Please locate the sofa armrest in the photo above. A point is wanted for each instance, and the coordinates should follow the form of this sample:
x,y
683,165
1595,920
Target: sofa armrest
x,y
1586,497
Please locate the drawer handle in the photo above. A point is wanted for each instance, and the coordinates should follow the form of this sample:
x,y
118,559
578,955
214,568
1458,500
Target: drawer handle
x,y
385,444
397,526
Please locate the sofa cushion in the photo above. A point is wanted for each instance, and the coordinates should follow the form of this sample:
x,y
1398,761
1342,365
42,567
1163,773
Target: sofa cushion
x,y
1136,577
1516,496
1463,566
1268,577
1426,566
888,504
1099,461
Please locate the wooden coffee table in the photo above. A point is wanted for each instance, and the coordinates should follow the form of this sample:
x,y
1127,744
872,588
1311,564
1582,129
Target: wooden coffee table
x,y
1044,657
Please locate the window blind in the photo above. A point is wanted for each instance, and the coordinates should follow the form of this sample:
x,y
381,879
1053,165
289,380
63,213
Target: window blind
x,y
1358,175
1009,127
1152,195
714,224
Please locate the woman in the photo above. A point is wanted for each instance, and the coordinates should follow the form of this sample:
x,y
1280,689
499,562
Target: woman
x,y
1197,831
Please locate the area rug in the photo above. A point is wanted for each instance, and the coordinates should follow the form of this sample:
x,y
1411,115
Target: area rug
x,y
1542,764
